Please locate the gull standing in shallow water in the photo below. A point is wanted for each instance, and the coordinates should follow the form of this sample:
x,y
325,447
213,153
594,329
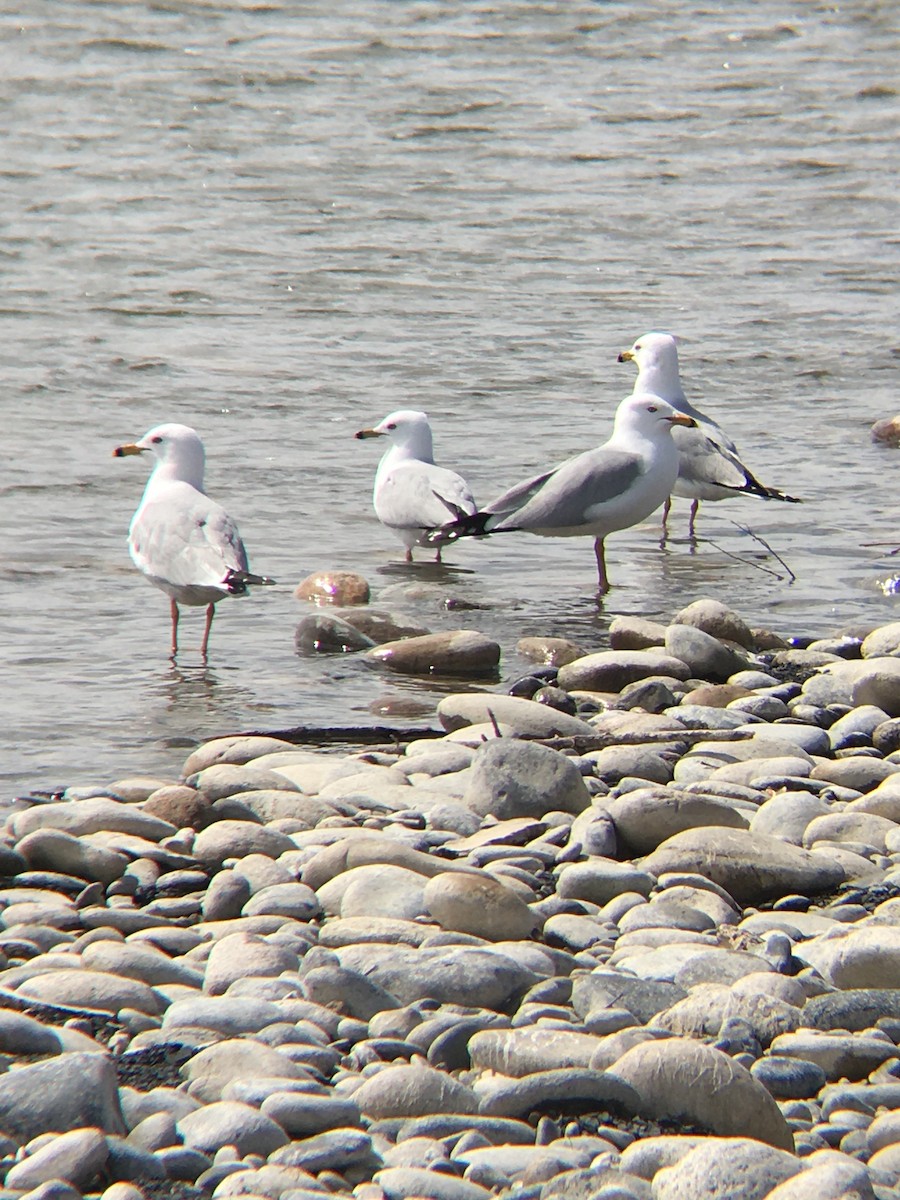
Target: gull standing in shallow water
x,y
612,487
411,494
181,540
709,467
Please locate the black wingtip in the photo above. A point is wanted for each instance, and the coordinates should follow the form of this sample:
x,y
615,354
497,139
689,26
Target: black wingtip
x,y
753,487
472,525
237,582
775,494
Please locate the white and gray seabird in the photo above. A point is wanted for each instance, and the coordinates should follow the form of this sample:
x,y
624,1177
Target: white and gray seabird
x,y
612,487
412,495
183,542
709,467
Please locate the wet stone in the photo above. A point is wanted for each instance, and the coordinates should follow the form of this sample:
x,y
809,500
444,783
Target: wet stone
x,y
555,652
520,779
333,587
324,633
453,652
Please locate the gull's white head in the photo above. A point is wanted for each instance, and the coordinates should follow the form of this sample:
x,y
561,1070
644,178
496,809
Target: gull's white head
x,y
408,429
177,449
656,358
648,415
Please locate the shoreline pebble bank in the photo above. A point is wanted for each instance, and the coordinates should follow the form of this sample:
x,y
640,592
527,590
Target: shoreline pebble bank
x,y
630,931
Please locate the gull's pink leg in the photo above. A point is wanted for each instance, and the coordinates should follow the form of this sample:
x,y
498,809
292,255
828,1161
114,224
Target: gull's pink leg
x,y
601,566
174,611
210,613
667,508
695,508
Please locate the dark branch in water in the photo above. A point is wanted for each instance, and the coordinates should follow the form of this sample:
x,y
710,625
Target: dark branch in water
x,y
792,578
890,553
345,735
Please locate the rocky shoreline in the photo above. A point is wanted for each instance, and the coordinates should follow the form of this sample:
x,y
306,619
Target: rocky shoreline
x,y
630,931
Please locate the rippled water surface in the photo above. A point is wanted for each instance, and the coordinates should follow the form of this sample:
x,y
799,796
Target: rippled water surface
x,y
276,222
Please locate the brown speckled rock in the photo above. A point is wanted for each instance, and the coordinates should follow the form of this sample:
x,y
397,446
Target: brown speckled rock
x,y
887,430
180,805
716,695
333,587
552,651
635,633
478,905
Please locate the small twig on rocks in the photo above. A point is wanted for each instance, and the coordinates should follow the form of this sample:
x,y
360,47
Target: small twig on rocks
x,y
583,743
493,721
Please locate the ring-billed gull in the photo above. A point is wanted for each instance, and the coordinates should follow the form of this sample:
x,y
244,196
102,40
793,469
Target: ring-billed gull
x,y
411,494
181,540
595,493
709,467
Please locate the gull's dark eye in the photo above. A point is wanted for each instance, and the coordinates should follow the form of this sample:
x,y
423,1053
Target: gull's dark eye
x,y
392,425
157,441
652,408
637,345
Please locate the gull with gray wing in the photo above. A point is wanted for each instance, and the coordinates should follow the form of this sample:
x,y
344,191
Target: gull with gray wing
x,y
708,464
595,493
182,541
412,494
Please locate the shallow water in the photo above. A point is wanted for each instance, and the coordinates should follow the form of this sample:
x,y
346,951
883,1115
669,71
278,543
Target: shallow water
x,y
278,222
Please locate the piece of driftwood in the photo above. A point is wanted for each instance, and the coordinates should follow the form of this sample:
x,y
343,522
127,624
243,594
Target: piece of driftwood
x,y
346,735
583,743
392,736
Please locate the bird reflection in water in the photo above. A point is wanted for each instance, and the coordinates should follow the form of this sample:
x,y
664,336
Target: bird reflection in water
x,y
198,698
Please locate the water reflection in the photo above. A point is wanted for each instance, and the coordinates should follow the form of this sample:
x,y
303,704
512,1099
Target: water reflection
x,y
183,699
427,571
358,266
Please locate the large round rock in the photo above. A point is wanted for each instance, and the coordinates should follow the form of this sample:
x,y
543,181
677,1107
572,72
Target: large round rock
x,y
478,905
453,652
737,1169
681,1079
69,1091
236,839
751,867
341,588
413,1091
612,670
229,1123
862,956
646,817
522,779
706,656
717,620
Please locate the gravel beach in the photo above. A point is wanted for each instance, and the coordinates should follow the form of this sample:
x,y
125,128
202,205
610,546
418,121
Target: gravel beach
x,y
628,930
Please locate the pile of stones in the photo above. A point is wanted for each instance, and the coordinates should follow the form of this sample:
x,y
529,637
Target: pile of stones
x,y
629,933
